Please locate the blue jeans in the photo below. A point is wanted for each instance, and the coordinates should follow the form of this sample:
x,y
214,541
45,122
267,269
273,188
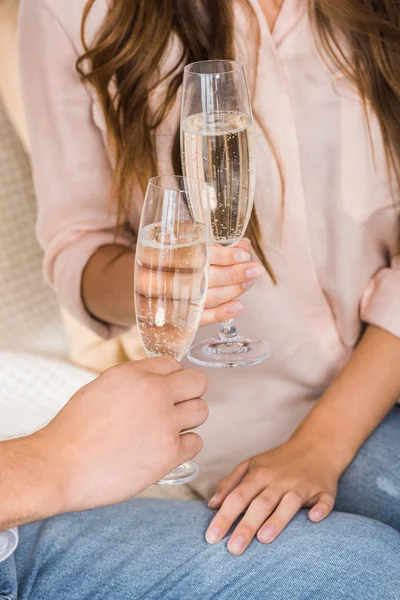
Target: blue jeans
x,y
155,549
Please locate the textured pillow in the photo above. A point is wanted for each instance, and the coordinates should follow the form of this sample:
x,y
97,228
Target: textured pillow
x,y
29,315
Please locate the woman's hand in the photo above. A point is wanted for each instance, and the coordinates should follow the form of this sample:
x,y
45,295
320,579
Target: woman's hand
x,y
231,274
272,488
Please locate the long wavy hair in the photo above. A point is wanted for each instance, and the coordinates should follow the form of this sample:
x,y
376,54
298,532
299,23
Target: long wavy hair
x,y
133,41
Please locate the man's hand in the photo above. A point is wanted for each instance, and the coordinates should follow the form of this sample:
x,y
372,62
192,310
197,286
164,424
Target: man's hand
x,y
115,437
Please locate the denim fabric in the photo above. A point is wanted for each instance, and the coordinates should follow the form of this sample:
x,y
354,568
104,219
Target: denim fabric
x,y
155,549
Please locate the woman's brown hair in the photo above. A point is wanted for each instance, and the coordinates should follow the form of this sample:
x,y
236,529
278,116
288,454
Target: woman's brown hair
x,y
133,41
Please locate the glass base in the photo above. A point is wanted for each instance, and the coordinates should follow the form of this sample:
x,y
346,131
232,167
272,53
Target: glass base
x,y
237,352
182,474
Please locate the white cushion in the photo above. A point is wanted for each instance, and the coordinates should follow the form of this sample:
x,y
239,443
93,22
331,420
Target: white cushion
x,y
33,389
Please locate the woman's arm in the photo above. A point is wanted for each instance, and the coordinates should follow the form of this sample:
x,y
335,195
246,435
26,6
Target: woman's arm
x,y
90,269
305,471
359,399
112,301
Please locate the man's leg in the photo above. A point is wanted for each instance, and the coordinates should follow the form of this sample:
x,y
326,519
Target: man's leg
x,y
155,550
371,485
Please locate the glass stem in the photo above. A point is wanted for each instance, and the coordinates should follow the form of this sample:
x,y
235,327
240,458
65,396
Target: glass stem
x,y
228,332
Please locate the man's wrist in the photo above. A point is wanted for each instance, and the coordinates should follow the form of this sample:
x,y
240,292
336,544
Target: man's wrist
x,y
30,483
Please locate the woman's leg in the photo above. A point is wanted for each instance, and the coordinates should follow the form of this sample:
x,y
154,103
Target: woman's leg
x,y
371,485
155,550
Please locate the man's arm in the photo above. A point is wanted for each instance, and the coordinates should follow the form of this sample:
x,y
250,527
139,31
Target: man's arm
x,y
30,486
81,459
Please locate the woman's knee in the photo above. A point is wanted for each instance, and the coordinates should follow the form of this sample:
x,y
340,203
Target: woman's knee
x,y
371,485
357,555
343,557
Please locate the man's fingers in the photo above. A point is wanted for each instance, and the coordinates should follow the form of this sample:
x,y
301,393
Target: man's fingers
x,y
191,444
186,385
160,365
191,414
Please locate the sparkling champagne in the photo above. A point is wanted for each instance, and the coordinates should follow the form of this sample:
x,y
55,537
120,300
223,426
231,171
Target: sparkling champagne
x,y
170,287
219,148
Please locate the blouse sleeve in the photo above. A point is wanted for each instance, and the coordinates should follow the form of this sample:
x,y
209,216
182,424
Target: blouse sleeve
x,y
71,167
381,301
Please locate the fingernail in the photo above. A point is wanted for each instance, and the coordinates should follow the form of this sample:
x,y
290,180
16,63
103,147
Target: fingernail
x,y
237,546
246,240
213,536
242,256
235,308
266,534
247,284
317,514
214,500
254,272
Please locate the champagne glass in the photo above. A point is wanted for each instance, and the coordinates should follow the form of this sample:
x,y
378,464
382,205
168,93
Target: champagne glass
x,y
171,274
217,146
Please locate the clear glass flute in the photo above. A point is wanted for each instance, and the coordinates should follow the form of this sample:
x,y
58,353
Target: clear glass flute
x,y
217,146
171,274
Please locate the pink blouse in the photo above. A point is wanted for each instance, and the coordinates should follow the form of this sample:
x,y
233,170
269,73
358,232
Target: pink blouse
x,y
332,242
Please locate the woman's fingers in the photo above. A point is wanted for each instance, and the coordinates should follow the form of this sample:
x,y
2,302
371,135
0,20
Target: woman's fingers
x,y
232,508
245,244
258,512
287,509
151,285
222,313
230,256
322,508
231,275
150,263
221,295
228,484
235,274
